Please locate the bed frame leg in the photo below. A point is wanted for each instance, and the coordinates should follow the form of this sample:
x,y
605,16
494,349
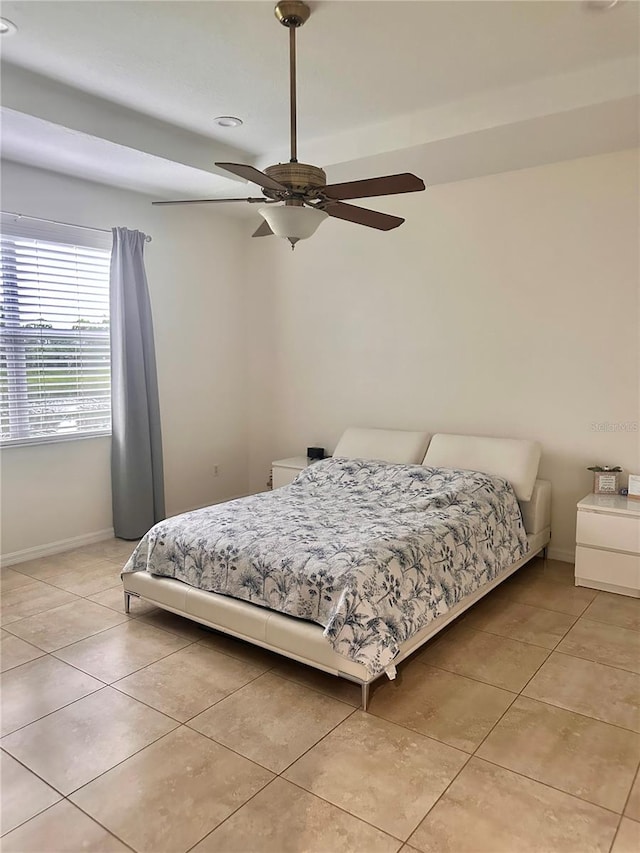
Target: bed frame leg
x,y
127,602
365,696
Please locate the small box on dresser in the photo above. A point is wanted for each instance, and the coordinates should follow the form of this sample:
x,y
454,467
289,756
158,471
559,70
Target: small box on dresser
x,y
608,544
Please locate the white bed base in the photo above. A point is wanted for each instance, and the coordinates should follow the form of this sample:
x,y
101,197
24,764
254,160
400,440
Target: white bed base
x,y
295,638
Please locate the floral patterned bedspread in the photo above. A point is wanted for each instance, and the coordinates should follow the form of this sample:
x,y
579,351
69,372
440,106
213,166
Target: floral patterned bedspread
x,y
370,550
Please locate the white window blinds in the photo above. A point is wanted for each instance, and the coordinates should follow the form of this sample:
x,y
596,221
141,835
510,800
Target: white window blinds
x,y
54,332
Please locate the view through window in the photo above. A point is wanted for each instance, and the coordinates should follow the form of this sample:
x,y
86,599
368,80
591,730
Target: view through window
x,y
54,332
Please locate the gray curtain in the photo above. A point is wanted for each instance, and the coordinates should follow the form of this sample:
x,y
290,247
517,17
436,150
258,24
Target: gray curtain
x,y
136,446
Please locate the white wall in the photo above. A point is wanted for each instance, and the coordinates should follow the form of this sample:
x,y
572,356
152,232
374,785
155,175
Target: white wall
x,y
505,305
196,278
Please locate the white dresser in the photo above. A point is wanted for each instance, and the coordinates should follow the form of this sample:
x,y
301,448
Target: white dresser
x,y
284,471
608,544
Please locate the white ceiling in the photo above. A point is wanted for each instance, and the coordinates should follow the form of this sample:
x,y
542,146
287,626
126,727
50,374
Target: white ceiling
x,y
375,78
29,140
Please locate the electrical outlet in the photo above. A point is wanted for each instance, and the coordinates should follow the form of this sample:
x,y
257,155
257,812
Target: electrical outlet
x,y
215,470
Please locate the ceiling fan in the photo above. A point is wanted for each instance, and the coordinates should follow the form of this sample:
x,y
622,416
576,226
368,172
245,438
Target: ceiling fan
x,y
296,195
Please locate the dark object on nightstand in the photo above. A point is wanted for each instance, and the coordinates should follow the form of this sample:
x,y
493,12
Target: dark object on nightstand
x,y
315,452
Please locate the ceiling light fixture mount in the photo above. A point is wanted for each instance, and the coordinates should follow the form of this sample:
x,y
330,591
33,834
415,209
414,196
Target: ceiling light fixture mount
x,y
7,28
228,121
292,13
297,194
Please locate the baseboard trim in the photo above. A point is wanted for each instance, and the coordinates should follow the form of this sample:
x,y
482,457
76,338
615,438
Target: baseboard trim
x,y
62,545
58,547
562,554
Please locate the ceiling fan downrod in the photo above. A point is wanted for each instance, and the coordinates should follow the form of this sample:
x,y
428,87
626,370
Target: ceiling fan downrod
x,y
292,14
296,195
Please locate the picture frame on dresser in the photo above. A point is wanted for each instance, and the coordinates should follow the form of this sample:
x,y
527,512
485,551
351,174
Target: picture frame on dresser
x,y
605,483
633,489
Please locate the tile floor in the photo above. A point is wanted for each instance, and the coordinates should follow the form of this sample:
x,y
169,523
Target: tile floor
x,y
516,730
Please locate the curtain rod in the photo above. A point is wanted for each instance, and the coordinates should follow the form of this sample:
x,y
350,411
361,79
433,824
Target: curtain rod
x,y
147,238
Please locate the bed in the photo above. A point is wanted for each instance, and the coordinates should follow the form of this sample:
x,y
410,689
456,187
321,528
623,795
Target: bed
x,y
363,558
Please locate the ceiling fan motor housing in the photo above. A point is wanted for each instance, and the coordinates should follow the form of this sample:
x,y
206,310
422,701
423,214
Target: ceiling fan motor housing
x,y
292,13
298,177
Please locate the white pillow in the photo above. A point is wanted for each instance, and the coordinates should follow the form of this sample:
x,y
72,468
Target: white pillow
x,y
389,445
514,459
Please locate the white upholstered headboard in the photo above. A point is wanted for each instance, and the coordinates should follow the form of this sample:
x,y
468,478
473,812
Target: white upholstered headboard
x,y
388,445
514,459
536,512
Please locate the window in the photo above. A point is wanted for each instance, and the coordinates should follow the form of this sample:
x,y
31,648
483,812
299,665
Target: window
x,y
54,332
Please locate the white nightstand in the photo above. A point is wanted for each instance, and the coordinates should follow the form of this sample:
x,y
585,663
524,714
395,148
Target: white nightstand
x,y
284,471
608,544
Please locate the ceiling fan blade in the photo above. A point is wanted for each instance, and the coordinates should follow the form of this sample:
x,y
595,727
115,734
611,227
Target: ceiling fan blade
x,y
362,215
387,185
210,201
253,175
263,230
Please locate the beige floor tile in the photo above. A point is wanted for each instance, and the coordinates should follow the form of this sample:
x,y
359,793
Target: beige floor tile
x,y
14,651
23,794
554,570
170,795
15,596
599,691
32,599
330,685
87,580
496,660
491,810
10,579
500,615
378,771
175,624
548,570
35,689
62,829
606,644
119,651
292,719
75,744
584,757
451,708
114,598
305,824
45,568
117,550
633,805
66,624
541,591
185,683
628,837
621,610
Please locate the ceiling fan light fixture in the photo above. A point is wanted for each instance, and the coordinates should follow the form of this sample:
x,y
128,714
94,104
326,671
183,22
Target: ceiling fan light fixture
x,y
292,222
